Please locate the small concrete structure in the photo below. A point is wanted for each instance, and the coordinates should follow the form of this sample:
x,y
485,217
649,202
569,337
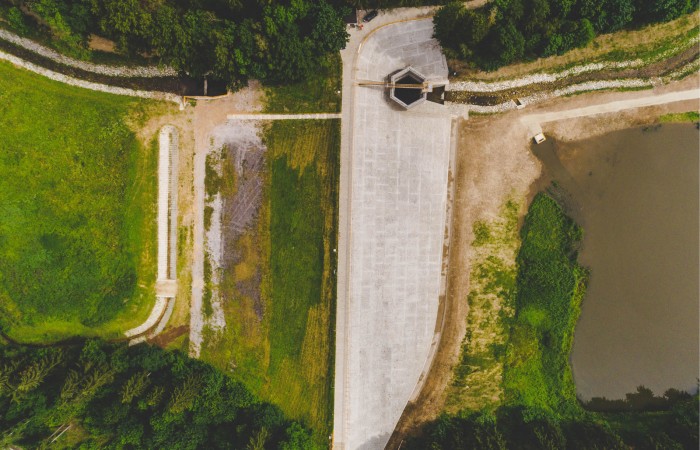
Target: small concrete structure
x,y
407,97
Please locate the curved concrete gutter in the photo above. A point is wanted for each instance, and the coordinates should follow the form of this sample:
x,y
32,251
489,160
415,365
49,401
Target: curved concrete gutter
x,y
166,280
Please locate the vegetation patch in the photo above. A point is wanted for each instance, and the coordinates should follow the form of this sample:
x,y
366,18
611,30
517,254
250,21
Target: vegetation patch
x,y
275,41
99,395
77,195
478,377
539,408
690,116
280,296
551,286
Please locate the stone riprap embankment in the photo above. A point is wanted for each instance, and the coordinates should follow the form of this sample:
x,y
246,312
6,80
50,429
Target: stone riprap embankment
x,y
500,95
113,71
154,95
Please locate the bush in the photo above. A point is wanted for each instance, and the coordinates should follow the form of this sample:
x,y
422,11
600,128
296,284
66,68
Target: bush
x,y
16,21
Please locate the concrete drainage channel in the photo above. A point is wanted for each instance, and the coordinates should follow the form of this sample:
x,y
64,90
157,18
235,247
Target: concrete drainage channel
x,y
166,281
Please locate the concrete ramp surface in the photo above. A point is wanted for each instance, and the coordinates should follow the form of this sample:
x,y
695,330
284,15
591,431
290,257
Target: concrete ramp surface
x,y
397,208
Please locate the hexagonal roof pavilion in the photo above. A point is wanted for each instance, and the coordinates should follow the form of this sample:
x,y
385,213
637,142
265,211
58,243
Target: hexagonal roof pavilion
x,y
407,97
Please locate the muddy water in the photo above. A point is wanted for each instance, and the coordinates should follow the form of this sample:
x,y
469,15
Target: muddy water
x,y
635,192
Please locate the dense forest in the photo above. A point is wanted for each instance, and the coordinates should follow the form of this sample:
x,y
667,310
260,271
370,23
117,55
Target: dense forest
x,y
101,395
539,408
228,40
506,31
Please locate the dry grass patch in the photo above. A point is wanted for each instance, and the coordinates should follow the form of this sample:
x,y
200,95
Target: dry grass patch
x,y
477,379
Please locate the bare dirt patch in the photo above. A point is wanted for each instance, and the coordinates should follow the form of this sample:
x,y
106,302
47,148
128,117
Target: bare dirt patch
x,y
96,42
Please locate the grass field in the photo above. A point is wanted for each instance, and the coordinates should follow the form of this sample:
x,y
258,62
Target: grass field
x,y
283,347
77,211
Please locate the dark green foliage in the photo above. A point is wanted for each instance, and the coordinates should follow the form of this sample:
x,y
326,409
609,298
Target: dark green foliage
x,y
142,397
506,31
550,287
15,19
229,41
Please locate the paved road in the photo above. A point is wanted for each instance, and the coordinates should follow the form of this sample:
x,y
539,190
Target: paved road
x,y
393,188
533,121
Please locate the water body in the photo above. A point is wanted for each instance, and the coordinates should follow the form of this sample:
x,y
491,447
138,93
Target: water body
x,y
635,192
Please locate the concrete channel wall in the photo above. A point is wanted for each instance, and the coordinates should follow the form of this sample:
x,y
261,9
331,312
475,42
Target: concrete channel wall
x,y
166,279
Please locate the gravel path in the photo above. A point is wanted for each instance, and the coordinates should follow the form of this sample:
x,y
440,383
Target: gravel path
x,y
114,71
533,121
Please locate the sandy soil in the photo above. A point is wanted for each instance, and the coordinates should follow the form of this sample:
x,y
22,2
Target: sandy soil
x,y
96,42
494,163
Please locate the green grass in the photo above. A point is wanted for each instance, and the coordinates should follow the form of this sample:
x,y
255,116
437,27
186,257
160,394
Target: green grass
x,y
690,116
319,93
77,202
522,313
287,356
550,288
533,404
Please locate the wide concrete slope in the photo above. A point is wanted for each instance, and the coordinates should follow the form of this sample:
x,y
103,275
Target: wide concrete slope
x,y
388,298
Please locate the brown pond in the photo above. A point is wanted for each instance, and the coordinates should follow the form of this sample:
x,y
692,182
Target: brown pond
x,y
635,192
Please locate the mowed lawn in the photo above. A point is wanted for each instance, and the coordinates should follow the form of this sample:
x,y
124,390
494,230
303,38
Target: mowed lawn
x,y
285,353
77,211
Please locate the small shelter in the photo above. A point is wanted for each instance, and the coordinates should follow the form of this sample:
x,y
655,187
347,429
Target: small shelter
x,y
351,18
408,97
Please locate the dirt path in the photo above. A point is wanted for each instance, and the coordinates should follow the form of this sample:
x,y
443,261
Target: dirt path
x,y
308,116
533,121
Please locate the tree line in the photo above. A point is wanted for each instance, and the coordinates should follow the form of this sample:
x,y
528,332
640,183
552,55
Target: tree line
x,y
519,427
506,31
275,41
102,395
